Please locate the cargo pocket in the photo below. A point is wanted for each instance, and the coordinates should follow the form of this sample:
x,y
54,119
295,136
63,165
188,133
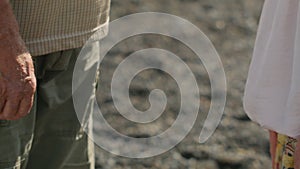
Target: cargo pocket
x,y
52,64
55,77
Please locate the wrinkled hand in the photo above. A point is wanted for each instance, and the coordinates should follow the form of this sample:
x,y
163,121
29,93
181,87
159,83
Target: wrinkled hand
x,y
17,85
17,80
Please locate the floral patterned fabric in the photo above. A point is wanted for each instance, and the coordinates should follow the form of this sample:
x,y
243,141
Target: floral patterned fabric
x,y
285,149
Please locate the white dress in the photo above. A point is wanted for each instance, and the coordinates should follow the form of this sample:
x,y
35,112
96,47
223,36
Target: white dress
x,y
272,93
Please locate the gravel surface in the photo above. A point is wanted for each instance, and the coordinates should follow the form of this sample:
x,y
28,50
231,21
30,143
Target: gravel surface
x,y
237,143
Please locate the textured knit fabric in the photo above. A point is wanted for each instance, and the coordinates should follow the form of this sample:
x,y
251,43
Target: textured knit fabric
x,y
272,91
54,25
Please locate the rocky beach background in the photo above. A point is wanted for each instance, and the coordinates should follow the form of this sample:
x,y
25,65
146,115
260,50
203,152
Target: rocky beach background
x,y
237,143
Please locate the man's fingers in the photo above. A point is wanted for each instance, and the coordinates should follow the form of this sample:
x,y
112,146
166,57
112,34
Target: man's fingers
x,y
2,103
25,106
1,110
10,109
15,109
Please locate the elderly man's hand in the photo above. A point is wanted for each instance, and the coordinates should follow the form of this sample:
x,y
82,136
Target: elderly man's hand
x,y
17,85
17,79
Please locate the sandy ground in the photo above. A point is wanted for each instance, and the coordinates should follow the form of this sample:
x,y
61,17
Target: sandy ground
x,y
237,143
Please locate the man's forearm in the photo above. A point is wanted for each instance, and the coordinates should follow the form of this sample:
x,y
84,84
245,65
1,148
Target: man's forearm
x,y
10,38
17,80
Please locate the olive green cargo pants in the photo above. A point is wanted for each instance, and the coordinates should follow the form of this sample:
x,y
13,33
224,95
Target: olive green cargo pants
x,y
50,137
